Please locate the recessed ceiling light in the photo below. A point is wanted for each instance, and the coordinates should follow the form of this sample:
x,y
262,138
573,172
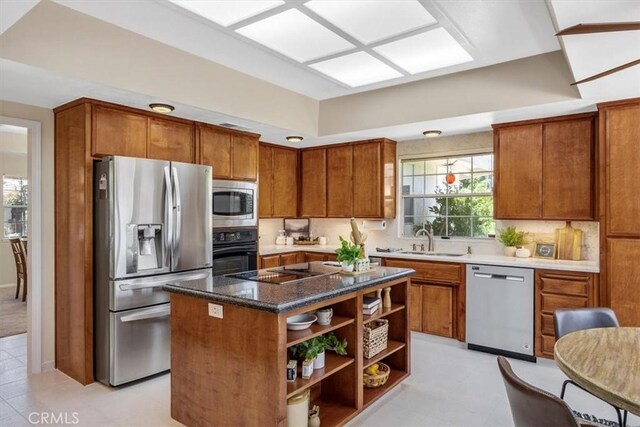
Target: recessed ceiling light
x,y
424,52
356,69
227,13
432,133
162,108
294,138
294,34
373,20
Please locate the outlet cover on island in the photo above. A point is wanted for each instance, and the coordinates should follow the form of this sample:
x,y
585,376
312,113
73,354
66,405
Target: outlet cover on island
x,y
215,310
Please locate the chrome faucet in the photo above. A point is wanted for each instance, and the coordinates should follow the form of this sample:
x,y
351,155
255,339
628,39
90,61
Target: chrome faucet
x,y
429,236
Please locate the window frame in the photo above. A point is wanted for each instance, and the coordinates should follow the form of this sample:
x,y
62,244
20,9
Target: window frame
x,y
24,207
440,156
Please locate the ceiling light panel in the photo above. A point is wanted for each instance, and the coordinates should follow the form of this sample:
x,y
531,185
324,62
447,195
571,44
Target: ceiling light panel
x,y
426,51
373,20
356,69
294,34
227,13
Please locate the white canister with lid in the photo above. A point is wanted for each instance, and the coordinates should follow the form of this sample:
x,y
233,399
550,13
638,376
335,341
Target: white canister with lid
x,y
281,239
523,253
298,410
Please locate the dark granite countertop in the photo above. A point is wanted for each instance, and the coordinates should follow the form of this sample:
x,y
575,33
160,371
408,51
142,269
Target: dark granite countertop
x,y
279,298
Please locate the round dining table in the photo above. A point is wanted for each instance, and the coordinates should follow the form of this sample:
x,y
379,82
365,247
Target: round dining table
x,y
605,362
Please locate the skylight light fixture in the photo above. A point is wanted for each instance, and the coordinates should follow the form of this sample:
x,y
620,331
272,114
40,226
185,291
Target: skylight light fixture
x,y
294,138
373,20
225,12
356,69
294,34
162,108
432,133
425,52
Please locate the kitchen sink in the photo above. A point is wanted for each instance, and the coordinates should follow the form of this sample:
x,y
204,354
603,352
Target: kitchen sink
x,y
429,253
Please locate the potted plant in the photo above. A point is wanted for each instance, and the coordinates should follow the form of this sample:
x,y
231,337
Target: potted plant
x,y
314,349
348,254
511,239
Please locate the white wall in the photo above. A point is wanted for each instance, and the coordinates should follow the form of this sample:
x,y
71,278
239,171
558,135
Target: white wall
x,y
45,117
458,144
14,165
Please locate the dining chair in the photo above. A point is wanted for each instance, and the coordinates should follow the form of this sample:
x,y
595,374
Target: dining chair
x,y
20,259
569,320
534,407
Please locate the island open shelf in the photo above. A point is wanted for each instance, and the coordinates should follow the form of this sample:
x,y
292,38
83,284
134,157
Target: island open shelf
x,y
245,353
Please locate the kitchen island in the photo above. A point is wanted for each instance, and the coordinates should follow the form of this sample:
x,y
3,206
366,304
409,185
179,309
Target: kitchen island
x,y
230,346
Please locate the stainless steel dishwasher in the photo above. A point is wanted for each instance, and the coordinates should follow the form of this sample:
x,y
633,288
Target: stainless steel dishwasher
x,y
500,310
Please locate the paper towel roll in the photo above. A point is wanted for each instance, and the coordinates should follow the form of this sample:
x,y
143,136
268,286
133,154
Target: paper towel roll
x,y
374,225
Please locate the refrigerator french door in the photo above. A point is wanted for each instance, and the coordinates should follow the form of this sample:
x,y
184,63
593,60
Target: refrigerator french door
x,y
152,227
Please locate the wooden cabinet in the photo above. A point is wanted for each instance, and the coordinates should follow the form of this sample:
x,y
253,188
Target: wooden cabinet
x,y
619,186
232,154
374,166
568,169
436,297
340,181
245,157
265,181
170,140
118,133
313,192
278,183
555,290
288,259
215,149
314,256
270,261
544,169
353,179
438,310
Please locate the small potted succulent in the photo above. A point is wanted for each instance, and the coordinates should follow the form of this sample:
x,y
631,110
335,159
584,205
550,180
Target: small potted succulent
x,y
348,254
511,239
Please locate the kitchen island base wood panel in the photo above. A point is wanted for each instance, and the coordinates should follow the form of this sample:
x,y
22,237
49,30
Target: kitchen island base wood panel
x,y
232,370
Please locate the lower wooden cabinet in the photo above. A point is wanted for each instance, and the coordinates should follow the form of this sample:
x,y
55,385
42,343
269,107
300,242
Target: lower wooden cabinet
x,y
278,260
292,258
436,297
555,290
314,256
270,261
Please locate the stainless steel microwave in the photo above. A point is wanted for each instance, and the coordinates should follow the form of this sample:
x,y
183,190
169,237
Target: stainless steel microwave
x,y
235,204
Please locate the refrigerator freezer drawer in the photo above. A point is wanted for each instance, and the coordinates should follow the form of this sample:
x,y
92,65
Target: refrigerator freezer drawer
x,y
140,343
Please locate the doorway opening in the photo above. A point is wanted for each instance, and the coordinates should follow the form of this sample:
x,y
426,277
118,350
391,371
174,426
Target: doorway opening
x,y
21,240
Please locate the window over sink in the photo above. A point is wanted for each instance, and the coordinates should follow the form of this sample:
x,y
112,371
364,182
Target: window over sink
x,y
453,195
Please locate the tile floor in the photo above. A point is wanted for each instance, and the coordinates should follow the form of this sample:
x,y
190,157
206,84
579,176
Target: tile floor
x,y
450,386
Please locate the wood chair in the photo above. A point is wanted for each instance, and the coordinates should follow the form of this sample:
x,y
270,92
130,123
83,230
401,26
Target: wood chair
x,y
533,407
569,320
20,258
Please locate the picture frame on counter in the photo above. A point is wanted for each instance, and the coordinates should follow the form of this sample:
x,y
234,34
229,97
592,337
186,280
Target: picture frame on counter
x,y
545,250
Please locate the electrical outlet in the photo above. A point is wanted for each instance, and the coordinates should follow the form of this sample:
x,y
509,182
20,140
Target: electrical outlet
x,y
215,310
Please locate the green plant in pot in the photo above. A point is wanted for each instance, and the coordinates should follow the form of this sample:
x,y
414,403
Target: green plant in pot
x,y
348,254
511,238
314,349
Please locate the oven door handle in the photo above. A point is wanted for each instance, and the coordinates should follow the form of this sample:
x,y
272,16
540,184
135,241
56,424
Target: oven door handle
x,y
247,249
147,314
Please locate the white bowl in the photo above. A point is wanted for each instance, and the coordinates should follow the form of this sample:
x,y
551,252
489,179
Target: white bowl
x,y
300,321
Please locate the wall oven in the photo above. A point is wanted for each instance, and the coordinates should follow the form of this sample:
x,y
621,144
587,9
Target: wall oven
x,y
235,204
235,250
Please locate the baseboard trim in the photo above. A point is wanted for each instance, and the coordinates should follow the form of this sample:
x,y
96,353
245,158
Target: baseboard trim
x,y
48,366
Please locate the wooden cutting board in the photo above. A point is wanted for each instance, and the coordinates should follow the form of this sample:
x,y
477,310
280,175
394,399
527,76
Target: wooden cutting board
x,y
569,243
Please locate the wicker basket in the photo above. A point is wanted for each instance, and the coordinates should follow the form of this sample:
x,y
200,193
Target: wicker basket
x,y
377,380
375,337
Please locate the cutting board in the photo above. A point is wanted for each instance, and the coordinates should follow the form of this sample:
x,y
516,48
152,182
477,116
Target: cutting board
x,y
569,243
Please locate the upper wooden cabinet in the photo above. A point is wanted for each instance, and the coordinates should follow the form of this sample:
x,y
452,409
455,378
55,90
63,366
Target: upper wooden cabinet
x,y
231,154
118,133
313,174
278,188
340,181
353,179
170,140
620,163
544,169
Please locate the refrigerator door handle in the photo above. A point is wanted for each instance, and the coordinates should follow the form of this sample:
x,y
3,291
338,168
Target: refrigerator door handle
x,y
147,314
178,213
168,213
135,286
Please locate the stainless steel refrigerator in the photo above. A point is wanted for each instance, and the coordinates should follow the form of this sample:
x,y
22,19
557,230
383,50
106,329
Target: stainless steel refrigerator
x,y
152,226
